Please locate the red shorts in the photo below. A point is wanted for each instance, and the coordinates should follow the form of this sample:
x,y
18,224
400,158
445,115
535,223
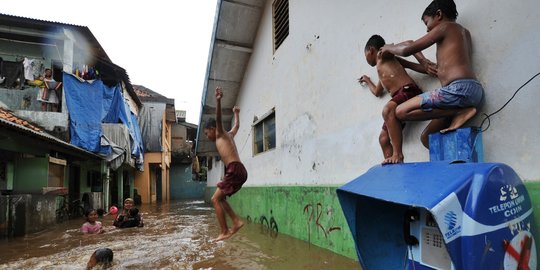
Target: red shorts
x,y
235,177
405,93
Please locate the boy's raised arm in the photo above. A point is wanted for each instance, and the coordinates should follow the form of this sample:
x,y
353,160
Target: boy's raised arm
x,y
219,125
236,126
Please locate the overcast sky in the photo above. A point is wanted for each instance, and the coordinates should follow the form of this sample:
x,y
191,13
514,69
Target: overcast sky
x,y
162,44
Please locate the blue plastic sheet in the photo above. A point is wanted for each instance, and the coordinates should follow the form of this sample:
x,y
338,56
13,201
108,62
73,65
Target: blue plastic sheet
x,y
92,103
84,101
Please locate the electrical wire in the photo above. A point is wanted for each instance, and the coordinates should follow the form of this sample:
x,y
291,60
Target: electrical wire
x,y
244,145
412,258
405,265
487,116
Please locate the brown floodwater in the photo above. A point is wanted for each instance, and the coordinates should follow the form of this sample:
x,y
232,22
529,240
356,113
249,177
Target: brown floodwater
x,y
175,236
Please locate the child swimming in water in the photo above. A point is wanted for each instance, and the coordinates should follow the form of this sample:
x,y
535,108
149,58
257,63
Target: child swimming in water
x,y
92,225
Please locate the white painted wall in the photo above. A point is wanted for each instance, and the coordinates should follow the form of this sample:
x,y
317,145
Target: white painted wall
x,y
327,125
216,173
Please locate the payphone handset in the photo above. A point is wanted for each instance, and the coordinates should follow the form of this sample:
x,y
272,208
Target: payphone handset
x,y
425,241
411,215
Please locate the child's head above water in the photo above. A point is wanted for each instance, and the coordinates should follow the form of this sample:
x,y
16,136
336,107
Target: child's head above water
x,y
91,215
128,202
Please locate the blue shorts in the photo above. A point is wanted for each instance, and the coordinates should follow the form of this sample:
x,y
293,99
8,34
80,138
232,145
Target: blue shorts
x,y
459,93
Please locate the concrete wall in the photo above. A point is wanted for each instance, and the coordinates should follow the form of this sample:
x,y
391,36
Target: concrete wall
x,y
49,120
182,184
312,214
24,213
327,125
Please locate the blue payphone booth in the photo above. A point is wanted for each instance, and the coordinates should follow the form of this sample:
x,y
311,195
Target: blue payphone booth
x,y
440,215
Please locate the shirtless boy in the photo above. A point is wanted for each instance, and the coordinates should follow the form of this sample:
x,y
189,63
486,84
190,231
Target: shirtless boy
x,y
461,92
393,78
235,172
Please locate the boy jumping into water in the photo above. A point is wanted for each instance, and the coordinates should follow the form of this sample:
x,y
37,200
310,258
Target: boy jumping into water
x,y
461,92
393,78
235,172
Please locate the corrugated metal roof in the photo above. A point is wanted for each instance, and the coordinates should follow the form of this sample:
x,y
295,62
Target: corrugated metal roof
x,y
18,22
233,38
38,20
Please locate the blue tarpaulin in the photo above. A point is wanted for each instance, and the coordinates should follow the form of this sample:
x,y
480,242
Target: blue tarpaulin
x,y
91,103
84,101
482,210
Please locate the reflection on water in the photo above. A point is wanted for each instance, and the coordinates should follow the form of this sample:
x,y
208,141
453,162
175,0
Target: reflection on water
x,y
175,236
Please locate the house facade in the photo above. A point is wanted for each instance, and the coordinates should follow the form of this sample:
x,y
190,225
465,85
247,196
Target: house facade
x,y
307,126
99,176
36,171
155,120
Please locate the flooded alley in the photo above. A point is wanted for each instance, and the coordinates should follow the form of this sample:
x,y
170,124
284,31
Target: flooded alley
x,y
175,236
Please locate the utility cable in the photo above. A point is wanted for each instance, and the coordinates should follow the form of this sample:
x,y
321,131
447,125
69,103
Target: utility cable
x,y
487,116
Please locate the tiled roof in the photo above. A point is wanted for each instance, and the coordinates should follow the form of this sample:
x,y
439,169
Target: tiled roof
x,y
10,117
13,122
147,95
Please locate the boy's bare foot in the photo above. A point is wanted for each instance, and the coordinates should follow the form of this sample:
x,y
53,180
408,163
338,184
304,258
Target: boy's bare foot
x,y
237,226
460,119
223,236
394,159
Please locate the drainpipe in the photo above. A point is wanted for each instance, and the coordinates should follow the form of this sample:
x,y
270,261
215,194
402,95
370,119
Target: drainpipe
x,y
106,188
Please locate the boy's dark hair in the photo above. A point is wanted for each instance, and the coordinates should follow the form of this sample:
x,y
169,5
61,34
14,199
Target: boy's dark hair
x,y
376,42
447,7
211,123
102,256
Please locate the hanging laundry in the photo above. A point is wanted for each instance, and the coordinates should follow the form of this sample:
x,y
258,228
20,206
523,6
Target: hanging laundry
x,y
28,69
14,73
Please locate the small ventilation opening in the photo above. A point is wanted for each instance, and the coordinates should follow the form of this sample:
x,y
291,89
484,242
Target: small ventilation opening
x,y
280,10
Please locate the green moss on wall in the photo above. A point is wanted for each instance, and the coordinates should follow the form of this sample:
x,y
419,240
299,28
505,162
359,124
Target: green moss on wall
x,y
534,193
312,214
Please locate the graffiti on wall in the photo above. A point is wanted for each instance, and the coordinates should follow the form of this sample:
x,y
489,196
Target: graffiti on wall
x,y
323,223
268,226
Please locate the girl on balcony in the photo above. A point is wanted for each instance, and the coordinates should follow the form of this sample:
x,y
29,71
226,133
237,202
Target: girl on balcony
x,y
48,93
